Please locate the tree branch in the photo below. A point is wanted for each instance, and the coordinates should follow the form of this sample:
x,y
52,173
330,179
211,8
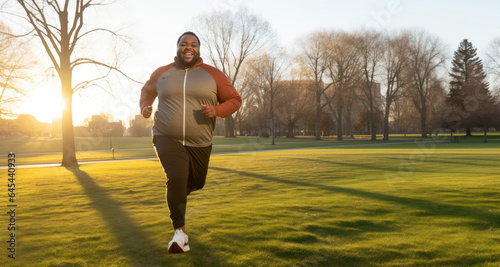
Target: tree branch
x,y
86,84
82,61
16,35
47,26
33,23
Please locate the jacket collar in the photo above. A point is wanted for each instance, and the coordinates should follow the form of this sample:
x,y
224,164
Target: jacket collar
x,y
179,64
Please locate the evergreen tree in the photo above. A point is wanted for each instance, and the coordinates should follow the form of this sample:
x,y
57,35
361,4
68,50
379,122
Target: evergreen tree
x,y
469,92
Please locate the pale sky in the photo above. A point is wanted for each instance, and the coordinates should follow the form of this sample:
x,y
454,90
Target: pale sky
x,y
155,26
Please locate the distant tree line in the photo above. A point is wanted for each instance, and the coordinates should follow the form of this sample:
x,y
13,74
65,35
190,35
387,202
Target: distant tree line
x,y
334,82
346,83
96,126
23,125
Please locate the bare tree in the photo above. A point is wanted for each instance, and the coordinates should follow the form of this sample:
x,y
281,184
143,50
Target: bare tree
x,y
352,107
493,67
15,60
371,53
295,93
249,102
426,55
60,26
406,117
395,61
493,58
343,69
231,38
269,70
313,60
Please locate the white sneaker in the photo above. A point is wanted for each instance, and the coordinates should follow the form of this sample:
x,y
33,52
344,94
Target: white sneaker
x,y
179,243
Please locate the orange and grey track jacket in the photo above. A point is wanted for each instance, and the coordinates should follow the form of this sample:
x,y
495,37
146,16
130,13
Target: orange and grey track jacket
x,y
181,92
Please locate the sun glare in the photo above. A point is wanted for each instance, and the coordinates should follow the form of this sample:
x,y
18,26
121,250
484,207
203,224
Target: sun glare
x,y
45,104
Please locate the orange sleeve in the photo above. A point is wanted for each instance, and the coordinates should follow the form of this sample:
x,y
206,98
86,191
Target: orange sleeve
x,y
148,91
227,96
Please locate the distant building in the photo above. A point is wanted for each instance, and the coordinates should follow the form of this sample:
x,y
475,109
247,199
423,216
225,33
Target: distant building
x,y
100,126
140,127
116,128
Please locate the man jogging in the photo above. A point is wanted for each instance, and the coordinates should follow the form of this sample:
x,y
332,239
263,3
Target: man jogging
x,y
190,95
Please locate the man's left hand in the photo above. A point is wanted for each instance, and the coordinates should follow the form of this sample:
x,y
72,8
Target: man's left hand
x,y
209,111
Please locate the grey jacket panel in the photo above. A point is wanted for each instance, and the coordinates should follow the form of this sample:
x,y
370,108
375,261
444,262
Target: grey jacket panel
x,y
181,92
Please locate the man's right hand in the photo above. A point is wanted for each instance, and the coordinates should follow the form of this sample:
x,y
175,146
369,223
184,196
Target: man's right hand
x,y
146,111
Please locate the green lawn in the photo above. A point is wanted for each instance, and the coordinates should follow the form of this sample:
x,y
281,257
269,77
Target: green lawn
x,y
48,150
419,204
45,144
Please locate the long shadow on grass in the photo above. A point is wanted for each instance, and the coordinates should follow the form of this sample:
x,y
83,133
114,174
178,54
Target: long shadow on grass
x,y
430,208
358,165
485,162
134,242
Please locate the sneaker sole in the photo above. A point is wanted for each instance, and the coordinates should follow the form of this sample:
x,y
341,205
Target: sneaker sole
x,y
175,249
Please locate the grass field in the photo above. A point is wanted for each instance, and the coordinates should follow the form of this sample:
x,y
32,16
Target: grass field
x,y
417,204
38,150
48,150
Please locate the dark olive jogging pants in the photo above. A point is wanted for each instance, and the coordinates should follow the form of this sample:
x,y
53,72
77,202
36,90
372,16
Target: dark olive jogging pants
x,y
186,169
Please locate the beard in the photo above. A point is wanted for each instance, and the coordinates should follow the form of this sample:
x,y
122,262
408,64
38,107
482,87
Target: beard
x,y
188,64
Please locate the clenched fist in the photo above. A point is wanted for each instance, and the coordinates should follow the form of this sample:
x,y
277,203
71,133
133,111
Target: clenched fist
x,y
146,111
209,111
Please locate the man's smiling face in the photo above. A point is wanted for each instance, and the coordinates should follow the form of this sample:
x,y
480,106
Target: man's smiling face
x,y
188,50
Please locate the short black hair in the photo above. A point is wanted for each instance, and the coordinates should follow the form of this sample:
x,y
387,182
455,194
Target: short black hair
x,y
190,33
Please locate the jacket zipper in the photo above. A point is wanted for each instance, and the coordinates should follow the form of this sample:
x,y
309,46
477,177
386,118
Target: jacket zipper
x,y
184,111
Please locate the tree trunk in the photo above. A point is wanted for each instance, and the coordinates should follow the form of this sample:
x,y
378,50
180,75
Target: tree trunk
x,y
348,125
386,120
229,126
68,137
340,137
272,126
485,135
290,130
66,75
372,121
318,116
238,123
423,121
388,103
